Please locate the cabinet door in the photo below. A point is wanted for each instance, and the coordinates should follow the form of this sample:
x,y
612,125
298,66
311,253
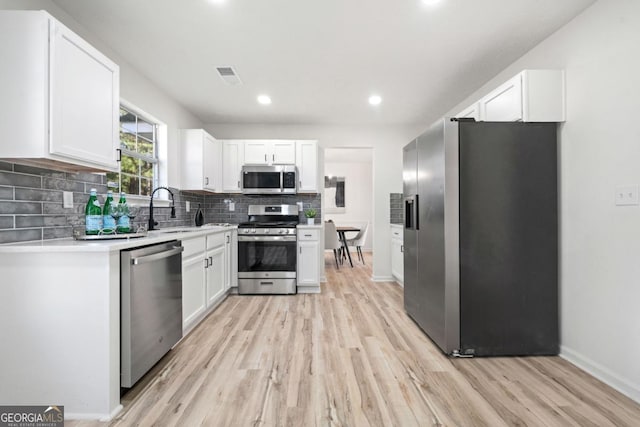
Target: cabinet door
x,y
193,290
505,103
85,100
256,153
307,163
215,274
283,153
471,112
212,175
308,263
397,259
232,161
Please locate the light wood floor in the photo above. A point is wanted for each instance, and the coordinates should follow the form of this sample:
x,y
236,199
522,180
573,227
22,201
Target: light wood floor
x,y
351,357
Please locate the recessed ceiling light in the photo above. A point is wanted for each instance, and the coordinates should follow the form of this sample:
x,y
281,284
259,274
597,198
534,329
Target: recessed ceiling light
x,y
217,1
430,2
264,99
375,100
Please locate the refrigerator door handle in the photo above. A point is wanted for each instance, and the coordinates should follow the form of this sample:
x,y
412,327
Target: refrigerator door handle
x,y
416,213
411,212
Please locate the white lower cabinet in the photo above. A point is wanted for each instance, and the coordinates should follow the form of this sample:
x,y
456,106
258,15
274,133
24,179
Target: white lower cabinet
x,y
215,274
209,270
309,255
397,253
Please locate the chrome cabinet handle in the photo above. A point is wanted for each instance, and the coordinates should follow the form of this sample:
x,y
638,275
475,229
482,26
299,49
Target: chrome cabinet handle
x,y
206,263
273,157
211,261
265,158
228,239
206,180
401,248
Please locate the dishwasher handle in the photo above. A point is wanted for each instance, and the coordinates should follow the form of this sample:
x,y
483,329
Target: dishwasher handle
x,y
159,255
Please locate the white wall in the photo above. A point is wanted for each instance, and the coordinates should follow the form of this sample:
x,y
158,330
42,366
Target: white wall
x,y
387,143
358,196
599,150
134,87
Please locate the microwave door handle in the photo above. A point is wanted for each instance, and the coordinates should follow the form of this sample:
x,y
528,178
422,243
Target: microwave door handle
x,y
281,182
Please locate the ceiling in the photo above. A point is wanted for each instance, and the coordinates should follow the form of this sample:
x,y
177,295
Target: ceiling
x,y
320,60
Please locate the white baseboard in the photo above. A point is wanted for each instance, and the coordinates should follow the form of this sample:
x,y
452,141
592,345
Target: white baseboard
x,y
602,373
99,417
308,289
382,279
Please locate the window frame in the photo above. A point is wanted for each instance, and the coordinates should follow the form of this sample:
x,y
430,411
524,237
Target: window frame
x,y
140,157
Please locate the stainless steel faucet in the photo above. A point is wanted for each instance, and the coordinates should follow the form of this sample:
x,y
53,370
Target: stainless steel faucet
x,y
152,223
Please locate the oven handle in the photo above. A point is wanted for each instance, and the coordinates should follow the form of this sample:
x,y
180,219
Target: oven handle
x,y
267,238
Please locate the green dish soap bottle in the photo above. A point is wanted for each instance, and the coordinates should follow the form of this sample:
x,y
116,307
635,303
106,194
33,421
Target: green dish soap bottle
x,y
93,214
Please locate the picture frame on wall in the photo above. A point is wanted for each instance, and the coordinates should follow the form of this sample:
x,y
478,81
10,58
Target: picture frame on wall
x,y
334,194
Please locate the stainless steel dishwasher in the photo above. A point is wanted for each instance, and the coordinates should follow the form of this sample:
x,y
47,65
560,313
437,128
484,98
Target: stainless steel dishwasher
x,y
150,307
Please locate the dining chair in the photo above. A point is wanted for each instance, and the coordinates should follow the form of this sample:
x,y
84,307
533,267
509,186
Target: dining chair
x,y
358,241
331,240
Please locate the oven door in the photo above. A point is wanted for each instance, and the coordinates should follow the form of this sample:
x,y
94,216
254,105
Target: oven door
x,y
267,256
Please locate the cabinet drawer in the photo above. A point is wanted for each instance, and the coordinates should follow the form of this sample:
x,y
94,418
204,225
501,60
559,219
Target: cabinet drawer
x,y
215,240
193,246
308,234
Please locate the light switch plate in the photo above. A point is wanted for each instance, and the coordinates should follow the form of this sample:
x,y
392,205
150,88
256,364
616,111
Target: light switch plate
x,y
627,196
232,206
67,200
188,206
300,206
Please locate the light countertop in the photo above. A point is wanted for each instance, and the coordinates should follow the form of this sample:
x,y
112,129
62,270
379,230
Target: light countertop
x,y
71,245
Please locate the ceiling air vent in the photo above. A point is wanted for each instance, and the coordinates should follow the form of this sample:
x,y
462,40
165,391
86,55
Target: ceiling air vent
x,y
228,74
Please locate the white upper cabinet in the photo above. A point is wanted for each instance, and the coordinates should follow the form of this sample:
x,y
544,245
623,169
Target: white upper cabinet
x,y
232,161
471,112
530,96
505,103
201,161
307,164
60,96
270,152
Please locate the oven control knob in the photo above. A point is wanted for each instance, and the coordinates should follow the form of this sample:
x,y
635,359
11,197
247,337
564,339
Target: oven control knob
x,y
253,231
267,231
282,231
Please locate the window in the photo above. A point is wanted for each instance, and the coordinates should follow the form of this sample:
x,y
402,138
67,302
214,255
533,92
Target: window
x,y
139,155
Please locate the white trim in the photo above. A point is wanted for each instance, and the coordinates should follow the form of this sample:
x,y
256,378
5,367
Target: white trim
x,y
309,289
601,372
90,416
143,201
383,279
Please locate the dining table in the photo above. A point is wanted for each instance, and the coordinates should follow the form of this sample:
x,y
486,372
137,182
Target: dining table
x,y
342,231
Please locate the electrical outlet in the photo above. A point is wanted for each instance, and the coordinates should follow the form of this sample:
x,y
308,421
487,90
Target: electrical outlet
x,y
232,206
67,200
627,196
300,206
188,206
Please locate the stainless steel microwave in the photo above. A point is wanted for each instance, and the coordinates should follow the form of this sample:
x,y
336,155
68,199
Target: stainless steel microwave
x,y
276,179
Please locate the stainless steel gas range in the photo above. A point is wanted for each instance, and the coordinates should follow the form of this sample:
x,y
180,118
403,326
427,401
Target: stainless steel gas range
x,y
267,250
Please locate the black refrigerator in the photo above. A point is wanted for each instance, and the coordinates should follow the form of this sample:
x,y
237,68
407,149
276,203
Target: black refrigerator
x,y
481,237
